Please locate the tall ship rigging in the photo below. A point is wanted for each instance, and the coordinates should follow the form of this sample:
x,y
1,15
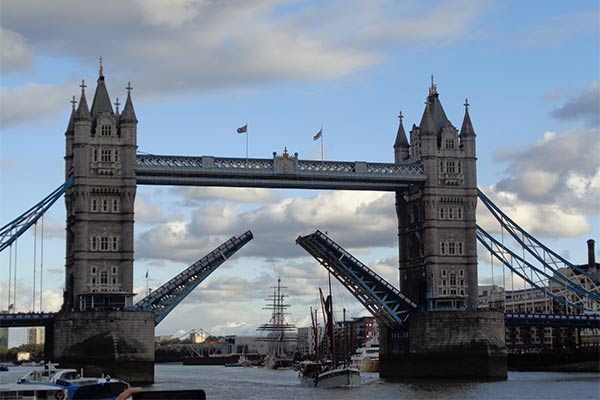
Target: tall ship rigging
x,y
278,331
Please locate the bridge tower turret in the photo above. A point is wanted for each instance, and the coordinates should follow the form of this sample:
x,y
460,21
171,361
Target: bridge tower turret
x,y
100,153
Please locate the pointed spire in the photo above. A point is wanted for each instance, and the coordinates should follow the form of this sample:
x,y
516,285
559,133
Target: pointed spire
x,y
401,140
426,126
128,114
71,127
467,126
117,104
101,102
83,113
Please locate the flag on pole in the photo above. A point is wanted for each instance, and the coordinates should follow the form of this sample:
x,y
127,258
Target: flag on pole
x,y
146,274
242,129
318,135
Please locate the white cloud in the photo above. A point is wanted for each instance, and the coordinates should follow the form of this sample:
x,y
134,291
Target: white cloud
x,y
14,52
241,195
21,104
557,30
548,220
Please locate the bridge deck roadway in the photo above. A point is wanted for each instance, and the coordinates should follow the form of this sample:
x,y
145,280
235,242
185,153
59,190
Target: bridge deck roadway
x,y
278,172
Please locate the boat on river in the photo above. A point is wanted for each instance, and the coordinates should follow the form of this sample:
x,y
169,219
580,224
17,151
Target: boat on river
x,y
74,384
15,391
329,373
366,359
278,336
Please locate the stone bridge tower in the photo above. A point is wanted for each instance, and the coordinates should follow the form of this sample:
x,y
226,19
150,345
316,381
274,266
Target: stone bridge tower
x,y
92,331
101,155
436,223
447,336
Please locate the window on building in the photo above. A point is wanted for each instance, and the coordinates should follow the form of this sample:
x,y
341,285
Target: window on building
x,y
105,155
441,167
95,155
114,270
94,205
453,279
93,281
459,167
114,243
93,243
451,248
459,213
443,272
115,205
106,130
103,278
442,213
450,167
450,213
117,155
104,205
442,248
461,272
104,243
449,143
460,248
94,270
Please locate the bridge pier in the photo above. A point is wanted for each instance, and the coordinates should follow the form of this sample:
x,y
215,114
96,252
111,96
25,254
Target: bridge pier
x,y
117,343
453,344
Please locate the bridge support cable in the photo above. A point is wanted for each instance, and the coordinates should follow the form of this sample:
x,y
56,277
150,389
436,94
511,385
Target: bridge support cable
x,y
11,231
537,249
536,277
162,301
384,301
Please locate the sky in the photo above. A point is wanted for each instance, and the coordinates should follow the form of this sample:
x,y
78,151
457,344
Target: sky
x,y
200,69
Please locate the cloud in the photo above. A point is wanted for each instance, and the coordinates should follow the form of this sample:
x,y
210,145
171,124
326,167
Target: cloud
x,y
14,53
560,171
21,104
561,29
226,44
539,219
146,211
193,195
585,106
275,226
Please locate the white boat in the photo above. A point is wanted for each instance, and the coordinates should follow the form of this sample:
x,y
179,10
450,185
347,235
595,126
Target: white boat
x,y
366,359
312,375
15,391
328,374
73,382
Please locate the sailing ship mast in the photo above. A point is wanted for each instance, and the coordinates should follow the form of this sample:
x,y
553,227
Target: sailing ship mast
x,y
277,327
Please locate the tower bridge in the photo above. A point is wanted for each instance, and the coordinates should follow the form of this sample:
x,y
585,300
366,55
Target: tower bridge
x,y
429,324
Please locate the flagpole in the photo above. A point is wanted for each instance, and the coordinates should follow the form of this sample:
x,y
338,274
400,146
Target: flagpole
x,y
147,285
321,144
246,143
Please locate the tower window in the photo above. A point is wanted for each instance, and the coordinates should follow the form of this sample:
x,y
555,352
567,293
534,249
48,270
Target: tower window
x,y
105,155
104,243
450,213
103,278
93,243
441,166
460,248
104,205
115,205
451,248
106,130
449,143
94,270
450,167
117,155
459,213
95,155
443,272
442,248
442,216
459,167
114,243
94,205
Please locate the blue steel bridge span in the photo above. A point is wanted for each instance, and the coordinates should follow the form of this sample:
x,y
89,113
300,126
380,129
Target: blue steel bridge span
x,y
283,171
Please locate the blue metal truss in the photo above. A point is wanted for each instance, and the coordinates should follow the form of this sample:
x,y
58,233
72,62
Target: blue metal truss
x,y
22,320
384,301
162,301
11,231
278,172
556,320
536,277
537,249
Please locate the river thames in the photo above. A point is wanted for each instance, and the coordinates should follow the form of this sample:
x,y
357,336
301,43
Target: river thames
x,y
257,383
253,383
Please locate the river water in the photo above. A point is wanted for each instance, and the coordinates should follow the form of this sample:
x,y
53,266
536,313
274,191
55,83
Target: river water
x,y
258,383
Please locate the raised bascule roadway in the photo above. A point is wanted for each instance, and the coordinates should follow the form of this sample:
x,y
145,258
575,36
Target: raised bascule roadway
x,y
431,322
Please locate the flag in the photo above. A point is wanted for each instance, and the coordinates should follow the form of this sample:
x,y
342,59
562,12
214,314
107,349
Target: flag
x,y
146,274
242,129
319,134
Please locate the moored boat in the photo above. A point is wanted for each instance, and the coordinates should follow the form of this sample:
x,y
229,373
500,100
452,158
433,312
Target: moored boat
x,y
73,383
15,391
366,359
